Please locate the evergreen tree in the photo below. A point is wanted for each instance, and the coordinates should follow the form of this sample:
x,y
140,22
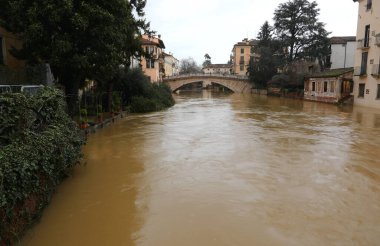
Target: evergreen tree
x,y
297,26
207,60
262,68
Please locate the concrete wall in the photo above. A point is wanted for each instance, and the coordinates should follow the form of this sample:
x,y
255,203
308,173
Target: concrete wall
x,y
368,17
343,55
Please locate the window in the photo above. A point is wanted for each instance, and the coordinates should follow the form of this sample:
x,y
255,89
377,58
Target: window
x,y
325,86
1,51
378,91
363,68
366,35
361,90
242,51
241,67
369,4
332,86
313,86
241,59
149,63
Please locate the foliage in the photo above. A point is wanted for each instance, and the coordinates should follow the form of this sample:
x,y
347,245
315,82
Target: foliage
x,y
79,39
268,50
207,61
296,25
140,95
39,143
189,65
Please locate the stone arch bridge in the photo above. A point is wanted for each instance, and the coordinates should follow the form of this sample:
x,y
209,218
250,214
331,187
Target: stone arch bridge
x,y
239,84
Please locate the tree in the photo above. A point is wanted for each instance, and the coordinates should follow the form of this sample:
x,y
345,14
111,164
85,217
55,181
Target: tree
x,y
207,60
188,66
297,26
264,65
78,38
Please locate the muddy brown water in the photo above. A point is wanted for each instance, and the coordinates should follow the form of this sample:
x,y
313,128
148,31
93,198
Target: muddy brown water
x,y
220,169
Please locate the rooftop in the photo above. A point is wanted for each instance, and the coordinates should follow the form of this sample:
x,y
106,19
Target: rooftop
x,y
331,73
342,40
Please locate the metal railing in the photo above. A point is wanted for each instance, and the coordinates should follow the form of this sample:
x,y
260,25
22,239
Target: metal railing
x,y
377,39
204,75
375,70
363,43
359,71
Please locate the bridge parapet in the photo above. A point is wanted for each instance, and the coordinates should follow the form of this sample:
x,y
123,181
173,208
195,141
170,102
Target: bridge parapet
x,y
206,75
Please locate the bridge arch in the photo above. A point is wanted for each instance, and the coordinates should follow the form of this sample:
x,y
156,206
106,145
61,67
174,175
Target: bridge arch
x,y
239,84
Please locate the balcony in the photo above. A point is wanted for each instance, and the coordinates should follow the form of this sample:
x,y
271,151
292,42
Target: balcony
x,y
377,39
363,43
375,70
360,71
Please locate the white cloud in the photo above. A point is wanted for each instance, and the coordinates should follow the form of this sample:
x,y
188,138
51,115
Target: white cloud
x,y
193,28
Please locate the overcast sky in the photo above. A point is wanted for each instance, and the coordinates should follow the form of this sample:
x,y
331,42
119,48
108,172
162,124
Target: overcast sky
x,y
194,28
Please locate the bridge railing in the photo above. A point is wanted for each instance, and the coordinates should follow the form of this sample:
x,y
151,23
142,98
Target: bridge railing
x,y
208,75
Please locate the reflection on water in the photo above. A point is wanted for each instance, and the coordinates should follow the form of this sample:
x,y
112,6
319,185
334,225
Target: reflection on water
x,y
224,169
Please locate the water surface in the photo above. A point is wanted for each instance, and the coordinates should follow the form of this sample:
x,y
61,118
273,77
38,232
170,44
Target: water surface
x,y
224,169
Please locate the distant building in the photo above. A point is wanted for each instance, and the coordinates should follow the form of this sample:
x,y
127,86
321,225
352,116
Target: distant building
x,y
242,52
330,86
342,52
367,56
217,69
153,67
7,41
171,65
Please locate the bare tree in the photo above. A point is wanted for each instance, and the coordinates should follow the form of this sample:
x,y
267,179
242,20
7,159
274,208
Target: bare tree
x,y
189,65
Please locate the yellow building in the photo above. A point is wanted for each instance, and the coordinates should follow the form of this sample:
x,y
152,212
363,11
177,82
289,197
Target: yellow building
x,y
367,56
153,67
242,52
7,41
171,65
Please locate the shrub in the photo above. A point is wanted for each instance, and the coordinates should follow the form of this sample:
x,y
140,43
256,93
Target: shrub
x,y
39,144
140,95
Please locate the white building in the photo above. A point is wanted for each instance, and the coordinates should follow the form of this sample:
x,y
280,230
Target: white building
x,y
342,52
367,56
217,69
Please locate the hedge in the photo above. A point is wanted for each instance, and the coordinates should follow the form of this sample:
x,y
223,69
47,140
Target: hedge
x,y
39,143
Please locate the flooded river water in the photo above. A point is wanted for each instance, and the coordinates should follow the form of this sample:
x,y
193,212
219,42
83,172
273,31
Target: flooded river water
x,y
224,170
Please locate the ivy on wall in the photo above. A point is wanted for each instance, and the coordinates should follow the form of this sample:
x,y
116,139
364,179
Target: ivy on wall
x,y
39,143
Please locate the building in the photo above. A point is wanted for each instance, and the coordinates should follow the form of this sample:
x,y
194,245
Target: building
x,y
331,86
171,65
342,52
7,41
242,53
14,71
217,69
367,56
153,66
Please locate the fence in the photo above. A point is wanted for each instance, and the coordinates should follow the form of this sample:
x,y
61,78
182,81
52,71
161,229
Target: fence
x,y
29,75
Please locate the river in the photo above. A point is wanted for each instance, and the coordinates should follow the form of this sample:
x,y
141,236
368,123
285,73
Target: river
x,y
224,169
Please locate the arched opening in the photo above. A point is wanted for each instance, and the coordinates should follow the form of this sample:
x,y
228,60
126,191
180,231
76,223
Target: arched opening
x,y
194,86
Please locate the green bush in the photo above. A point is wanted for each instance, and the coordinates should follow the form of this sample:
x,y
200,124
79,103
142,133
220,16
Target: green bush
x,y
140,95
39,144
